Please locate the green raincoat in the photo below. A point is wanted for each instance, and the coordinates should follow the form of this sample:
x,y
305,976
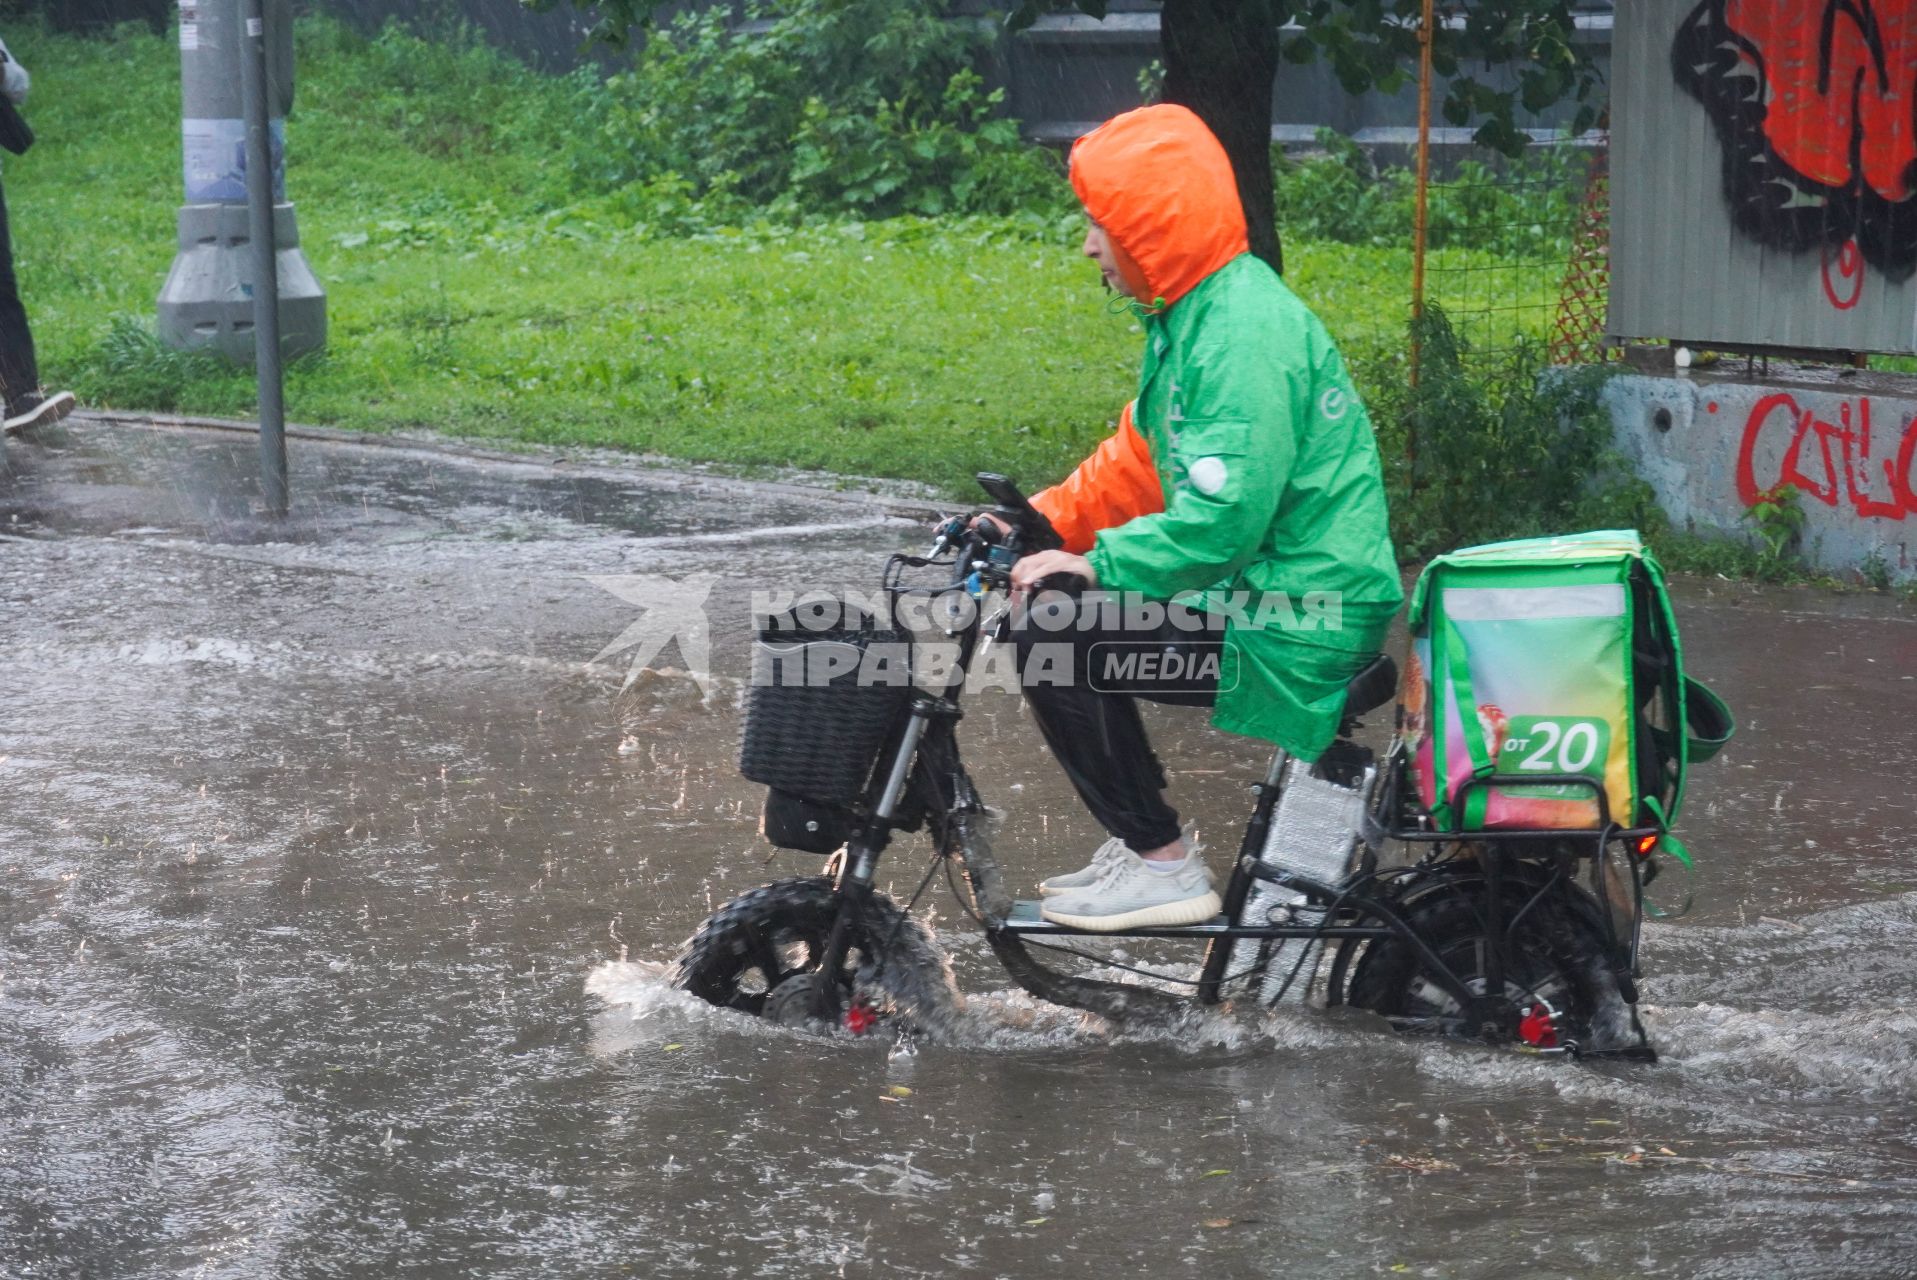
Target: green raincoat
x,y
1265,499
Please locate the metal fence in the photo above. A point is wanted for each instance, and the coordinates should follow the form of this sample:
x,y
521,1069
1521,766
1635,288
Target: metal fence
x,y
1517,255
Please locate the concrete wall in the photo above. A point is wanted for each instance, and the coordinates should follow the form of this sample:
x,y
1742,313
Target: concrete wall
x,y
91,15
1710,443
555,41
1061,77
1067,72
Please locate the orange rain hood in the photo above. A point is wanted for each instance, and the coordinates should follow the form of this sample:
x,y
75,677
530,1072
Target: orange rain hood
x,y
1161,186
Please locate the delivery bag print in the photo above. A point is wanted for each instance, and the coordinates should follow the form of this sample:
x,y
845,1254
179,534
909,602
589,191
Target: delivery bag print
x,y
1555,659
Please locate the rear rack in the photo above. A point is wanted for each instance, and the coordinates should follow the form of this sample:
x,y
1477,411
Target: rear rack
x,y
1604,831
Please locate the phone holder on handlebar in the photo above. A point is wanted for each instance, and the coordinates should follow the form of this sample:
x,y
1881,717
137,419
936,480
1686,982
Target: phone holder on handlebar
x,y
1030,528
1031,531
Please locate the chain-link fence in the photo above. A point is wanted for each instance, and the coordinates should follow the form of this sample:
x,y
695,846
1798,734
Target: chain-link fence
x,y
1515,254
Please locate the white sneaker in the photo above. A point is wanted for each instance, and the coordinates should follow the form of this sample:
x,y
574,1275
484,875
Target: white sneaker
x,y
1107,856
37,410
1130,895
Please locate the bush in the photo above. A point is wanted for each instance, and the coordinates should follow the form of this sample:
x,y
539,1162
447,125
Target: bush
x,y
1522,451
1524,208
872,108
1338,194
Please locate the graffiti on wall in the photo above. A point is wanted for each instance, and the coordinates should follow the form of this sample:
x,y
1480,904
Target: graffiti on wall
x,y
1815,105
1851,462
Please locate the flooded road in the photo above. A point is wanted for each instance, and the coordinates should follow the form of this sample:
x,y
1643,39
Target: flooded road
x,y
336,877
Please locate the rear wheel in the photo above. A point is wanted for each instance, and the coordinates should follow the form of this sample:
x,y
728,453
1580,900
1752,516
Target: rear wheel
x,y
762,953
1557,991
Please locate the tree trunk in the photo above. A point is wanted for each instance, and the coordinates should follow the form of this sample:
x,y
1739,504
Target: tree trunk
x,y
1221,57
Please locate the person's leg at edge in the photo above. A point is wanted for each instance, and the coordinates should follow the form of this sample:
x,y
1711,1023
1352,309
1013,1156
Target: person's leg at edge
x,y
19,370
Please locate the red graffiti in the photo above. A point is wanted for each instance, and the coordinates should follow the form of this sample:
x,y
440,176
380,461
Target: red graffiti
x,y
1850,270
1812,101
1840,85
1830,461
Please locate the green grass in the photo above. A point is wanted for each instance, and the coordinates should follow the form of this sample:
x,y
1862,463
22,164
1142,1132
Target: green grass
x,y
475,288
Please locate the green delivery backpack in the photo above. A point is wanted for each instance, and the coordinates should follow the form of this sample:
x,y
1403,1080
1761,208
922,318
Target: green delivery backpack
x,y
1553,658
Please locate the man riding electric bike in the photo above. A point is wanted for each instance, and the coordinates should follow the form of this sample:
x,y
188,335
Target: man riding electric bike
x,y
1241,495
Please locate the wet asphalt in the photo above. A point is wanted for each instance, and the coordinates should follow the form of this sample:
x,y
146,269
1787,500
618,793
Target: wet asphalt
x,y
338,863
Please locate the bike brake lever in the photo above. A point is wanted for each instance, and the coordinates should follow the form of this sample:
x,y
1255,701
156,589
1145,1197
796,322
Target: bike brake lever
x,y
946,533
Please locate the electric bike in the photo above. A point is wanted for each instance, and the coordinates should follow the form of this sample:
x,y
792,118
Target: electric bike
x,y
1341,881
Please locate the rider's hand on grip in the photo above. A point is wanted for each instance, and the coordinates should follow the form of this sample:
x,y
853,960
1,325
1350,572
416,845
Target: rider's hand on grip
x,y
990,528
1045,570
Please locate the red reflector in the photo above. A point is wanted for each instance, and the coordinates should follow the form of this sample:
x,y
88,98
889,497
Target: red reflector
x,y
860,1017
1538,1028
1645,844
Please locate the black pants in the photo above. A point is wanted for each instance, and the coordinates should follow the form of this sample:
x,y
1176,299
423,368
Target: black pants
x,y
19,371
1083,665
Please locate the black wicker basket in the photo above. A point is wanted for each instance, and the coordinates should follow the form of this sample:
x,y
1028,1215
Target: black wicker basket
x,y
815,719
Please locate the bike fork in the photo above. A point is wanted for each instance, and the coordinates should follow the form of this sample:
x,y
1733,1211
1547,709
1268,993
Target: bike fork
x,y
855,877
826,1006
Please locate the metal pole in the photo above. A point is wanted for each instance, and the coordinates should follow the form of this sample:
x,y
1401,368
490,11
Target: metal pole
x,y
1421,194
266,278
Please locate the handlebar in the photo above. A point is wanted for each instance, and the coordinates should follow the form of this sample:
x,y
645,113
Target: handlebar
x,y
987,548
981,549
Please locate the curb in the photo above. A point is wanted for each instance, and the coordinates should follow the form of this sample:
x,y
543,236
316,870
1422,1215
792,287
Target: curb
x,y
650,466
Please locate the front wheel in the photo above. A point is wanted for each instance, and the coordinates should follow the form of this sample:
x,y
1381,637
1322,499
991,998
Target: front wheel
x,y
761,953
1558,991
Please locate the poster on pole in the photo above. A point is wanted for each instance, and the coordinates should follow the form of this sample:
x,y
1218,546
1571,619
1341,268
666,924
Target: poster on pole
x,y
215,160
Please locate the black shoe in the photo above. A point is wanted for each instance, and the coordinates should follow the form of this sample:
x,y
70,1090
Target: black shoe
x,y
37,410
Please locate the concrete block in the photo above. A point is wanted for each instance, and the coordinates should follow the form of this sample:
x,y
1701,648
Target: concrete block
x,y
207,300
1709,443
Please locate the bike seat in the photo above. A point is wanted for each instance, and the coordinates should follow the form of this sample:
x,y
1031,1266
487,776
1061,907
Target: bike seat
x,y
1371,688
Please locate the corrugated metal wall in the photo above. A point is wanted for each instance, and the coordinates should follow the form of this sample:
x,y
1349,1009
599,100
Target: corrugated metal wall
x,y
1715,101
